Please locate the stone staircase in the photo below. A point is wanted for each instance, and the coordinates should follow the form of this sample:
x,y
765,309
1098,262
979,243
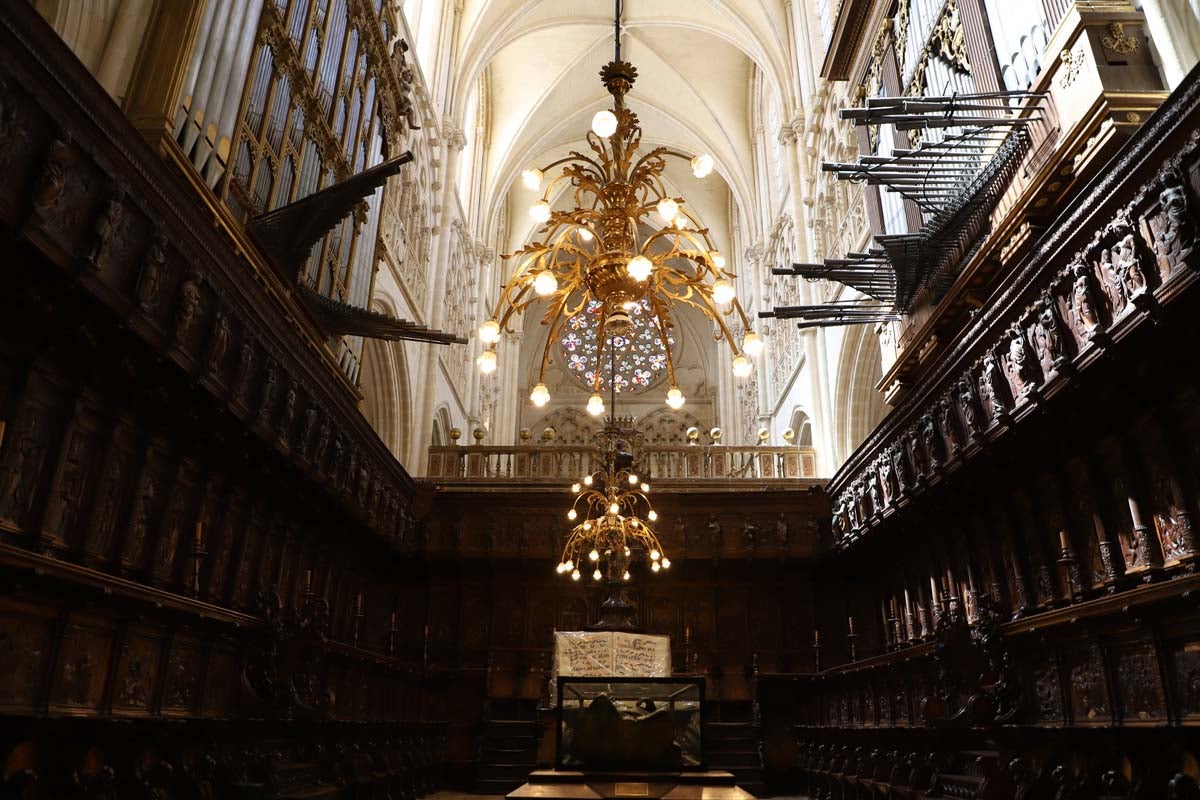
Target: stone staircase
x,y
507,754
734,747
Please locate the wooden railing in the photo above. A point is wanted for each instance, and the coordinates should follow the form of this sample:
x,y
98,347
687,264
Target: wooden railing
x,y
558,462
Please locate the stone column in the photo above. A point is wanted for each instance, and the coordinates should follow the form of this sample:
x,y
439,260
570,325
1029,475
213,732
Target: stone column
x,y
1174,26
435,309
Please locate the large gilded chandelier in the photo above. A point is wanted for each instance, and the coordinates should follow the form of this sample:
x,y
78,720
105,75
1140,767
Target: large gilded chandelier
x,y
597,251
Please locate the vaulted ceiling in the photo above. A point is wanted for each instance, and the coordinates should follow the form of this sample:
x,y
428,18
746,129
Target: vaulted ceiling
x,y
696,62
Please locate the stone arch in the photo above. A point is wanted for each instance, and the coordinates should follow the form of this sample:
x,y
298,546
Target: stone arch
x,y
385,386
859,405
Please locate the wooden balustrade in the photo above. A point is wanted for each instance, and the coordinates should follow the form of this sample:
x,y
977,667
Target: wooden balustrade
x,y
559,462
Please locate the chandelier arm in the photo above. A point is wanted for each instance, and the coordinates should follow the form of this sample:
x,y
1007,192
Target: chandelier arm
x,y
666,340
716,315
555,327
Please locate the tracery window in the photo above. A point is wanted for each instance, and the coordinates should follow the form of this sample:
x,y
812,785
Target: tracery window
x,y
640,357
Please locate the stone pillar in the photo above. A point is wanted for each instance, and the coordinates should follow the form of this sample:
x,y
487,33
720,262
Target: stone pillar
x,y
435,309
1174,26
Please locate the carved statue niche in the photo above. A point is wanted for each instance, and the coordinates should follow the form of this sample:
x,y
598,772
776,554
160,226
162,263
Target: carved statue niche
x,y
1173,230
898,455
912,444
288,414
405,107
782,534
1110,278
968,406
1046,336
188,309
218,344
150,280
67,493
111,233
873,491
267,393
841,520
949,425
1084,317
715,534
932,442
992,387
64,191
23,463
749,535
1022,372
1127,262
887,477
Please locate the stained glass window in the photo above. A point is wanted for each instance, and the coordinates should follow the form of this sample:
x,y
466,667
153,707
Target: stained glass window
x,y
641,357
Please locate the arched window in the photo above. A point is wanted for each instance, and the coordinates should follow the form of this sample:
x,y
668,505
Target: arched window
x,y
639,359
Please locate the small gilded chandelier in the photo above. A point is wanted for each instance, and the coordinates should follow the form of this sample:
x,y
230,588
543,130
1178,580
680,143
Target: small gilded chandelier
x,y
613,532
596,252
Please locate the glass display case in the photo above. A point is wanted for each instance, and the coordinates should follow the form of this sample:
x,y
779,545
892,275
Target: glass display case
x,y
609,724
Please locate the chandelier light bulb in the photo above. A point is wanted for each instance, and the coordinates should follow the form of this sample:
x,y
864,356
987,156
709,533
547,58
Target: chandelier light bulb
x,y
572,514
655,566
722,291
633,479
681,221
675,397
595,405
752,344
655,555
561,568
545,284
539,211
587,480
614,508
666,562
633,523
594,555
702,165
645,487
540,395
667,209
625,576
604,123
585,235
587,526
717,259
570,565
742,366
575,488
487,362
627,552
653,515
639,268
575,575
489,332
532,178
596,575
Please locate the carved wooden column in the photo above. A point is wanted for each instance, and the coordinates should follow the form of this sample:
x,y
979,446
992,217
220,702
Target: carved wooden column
x,y
1024,598
1174,485
1083,482
1148,559
1036,552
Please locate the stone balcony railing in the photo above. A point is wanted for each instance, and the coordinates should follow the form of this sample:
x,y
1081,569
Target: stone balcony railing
x,y
563,462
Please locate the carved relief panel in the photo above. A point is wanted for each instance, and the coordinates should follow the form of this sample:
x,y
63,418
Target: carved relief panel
x,y
82,668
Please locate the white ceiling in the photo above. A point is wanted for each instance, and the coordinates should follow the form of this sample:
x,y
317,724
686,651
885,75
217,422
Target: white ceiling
x,y
696,61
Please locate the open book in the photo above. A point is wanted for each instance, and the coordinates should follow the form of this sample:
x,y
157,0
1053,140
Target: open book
x,y
609,653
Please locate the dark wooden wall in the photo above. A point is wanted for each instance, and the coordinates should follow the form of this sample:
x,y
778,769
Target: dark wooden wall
x,y
202,542
1016,542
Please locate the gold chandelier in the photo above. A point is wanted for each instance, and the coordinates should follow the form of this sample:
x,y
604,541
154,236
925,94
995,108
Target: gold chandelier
x,y
596,252
613,532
